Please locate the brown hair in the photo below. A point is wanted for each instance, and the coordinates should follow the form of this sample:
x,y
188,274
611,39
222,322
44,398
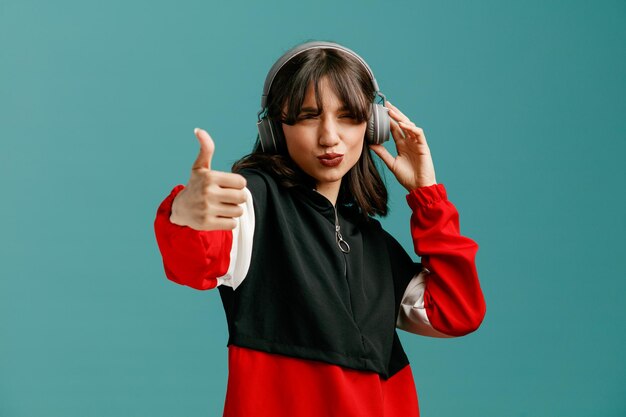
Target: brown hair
x,y
362,184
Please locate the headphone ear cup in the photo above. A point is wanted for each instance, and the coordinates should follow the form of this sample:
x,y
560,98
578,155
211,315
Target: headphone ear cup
x,y
378,125
270,135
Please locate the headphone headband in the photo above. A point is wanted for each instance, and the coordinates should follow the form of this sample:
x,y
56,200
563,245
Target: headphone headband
x,y
287,56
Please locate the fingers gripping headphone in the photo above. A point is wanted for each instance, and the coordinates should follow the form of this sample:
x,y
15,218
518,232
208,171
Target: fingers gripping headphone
x,y
271,133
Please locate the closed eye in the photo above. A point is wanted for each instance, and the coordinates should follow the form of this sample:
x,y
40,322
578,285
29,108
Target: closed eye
x,y
314,116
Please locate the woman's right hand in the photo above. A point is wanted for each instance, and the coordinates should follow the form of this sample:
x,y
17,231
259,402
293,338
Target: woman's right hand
x,y
211,199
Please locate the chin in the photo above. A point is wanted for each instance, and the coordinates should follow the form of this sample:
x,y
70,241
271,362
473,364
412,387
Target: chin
x,y
333,174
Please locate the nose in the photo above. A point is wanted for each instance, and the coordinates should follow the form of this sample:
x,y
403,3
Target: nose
x,y
328,132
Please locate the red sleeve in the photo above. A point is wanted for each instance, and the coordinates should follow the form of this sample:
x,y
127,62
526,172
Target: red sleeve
x,y
453,298
195,258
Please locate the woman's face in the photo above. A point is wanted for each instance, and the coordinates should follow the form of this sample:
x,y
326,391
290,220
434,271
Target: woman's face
x,y
324,146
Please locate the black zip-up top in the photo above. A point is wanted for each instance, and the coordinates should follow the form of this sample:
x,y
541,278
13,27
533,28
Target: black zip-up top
x,y
323,283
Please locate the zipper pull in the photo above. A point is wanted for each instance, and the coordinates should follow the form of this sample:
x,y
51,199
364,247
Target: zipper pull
x,y
343,245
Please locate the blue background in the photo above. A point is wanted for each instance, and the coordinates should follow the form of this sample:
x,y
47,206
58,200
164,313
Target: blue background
x,y
523,106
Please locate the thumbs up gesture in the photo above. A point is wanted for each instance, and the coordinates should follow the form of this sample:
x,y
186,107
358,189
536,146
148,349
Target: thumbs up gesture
x,y
211,199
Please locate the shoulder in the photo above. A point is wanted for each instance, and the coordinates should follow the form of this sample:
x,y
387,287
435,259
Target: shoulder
x,y
372,229
364,222
383,234
257,180
254,174
262,187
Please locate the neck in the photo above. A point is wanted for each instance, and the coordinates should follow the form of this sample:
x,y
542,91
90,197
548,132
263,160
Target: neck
x,y
329,190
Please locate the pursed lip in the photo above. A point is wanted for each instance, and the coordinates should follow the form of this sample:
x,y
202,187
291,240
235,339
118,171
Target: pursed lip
x,y
330,156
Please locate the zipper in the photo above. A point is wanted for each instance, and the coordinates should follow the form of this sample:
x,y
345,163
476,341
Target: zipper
x,y
343,245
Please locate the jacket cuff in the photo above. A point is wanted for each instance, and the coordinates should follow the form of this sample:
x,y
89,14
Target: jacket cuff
x,y
425,196
165,209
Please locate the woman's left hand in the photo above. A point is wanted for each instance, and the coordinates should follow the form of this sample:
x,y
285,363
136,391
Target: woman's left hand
x,y
413,167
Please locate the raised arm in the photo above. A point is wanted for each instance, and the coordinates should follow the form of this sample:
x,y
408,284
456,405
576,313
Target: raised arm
x,y
204,230
444,299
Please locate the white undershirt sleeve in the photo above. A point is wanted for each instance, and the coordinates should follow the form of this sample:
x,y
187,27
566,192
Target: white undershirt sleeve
x,y
412,316
241,249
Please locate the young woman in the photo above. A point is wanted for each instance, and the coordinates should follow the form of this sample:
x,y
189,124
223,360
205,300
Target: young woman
x,y
312,286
